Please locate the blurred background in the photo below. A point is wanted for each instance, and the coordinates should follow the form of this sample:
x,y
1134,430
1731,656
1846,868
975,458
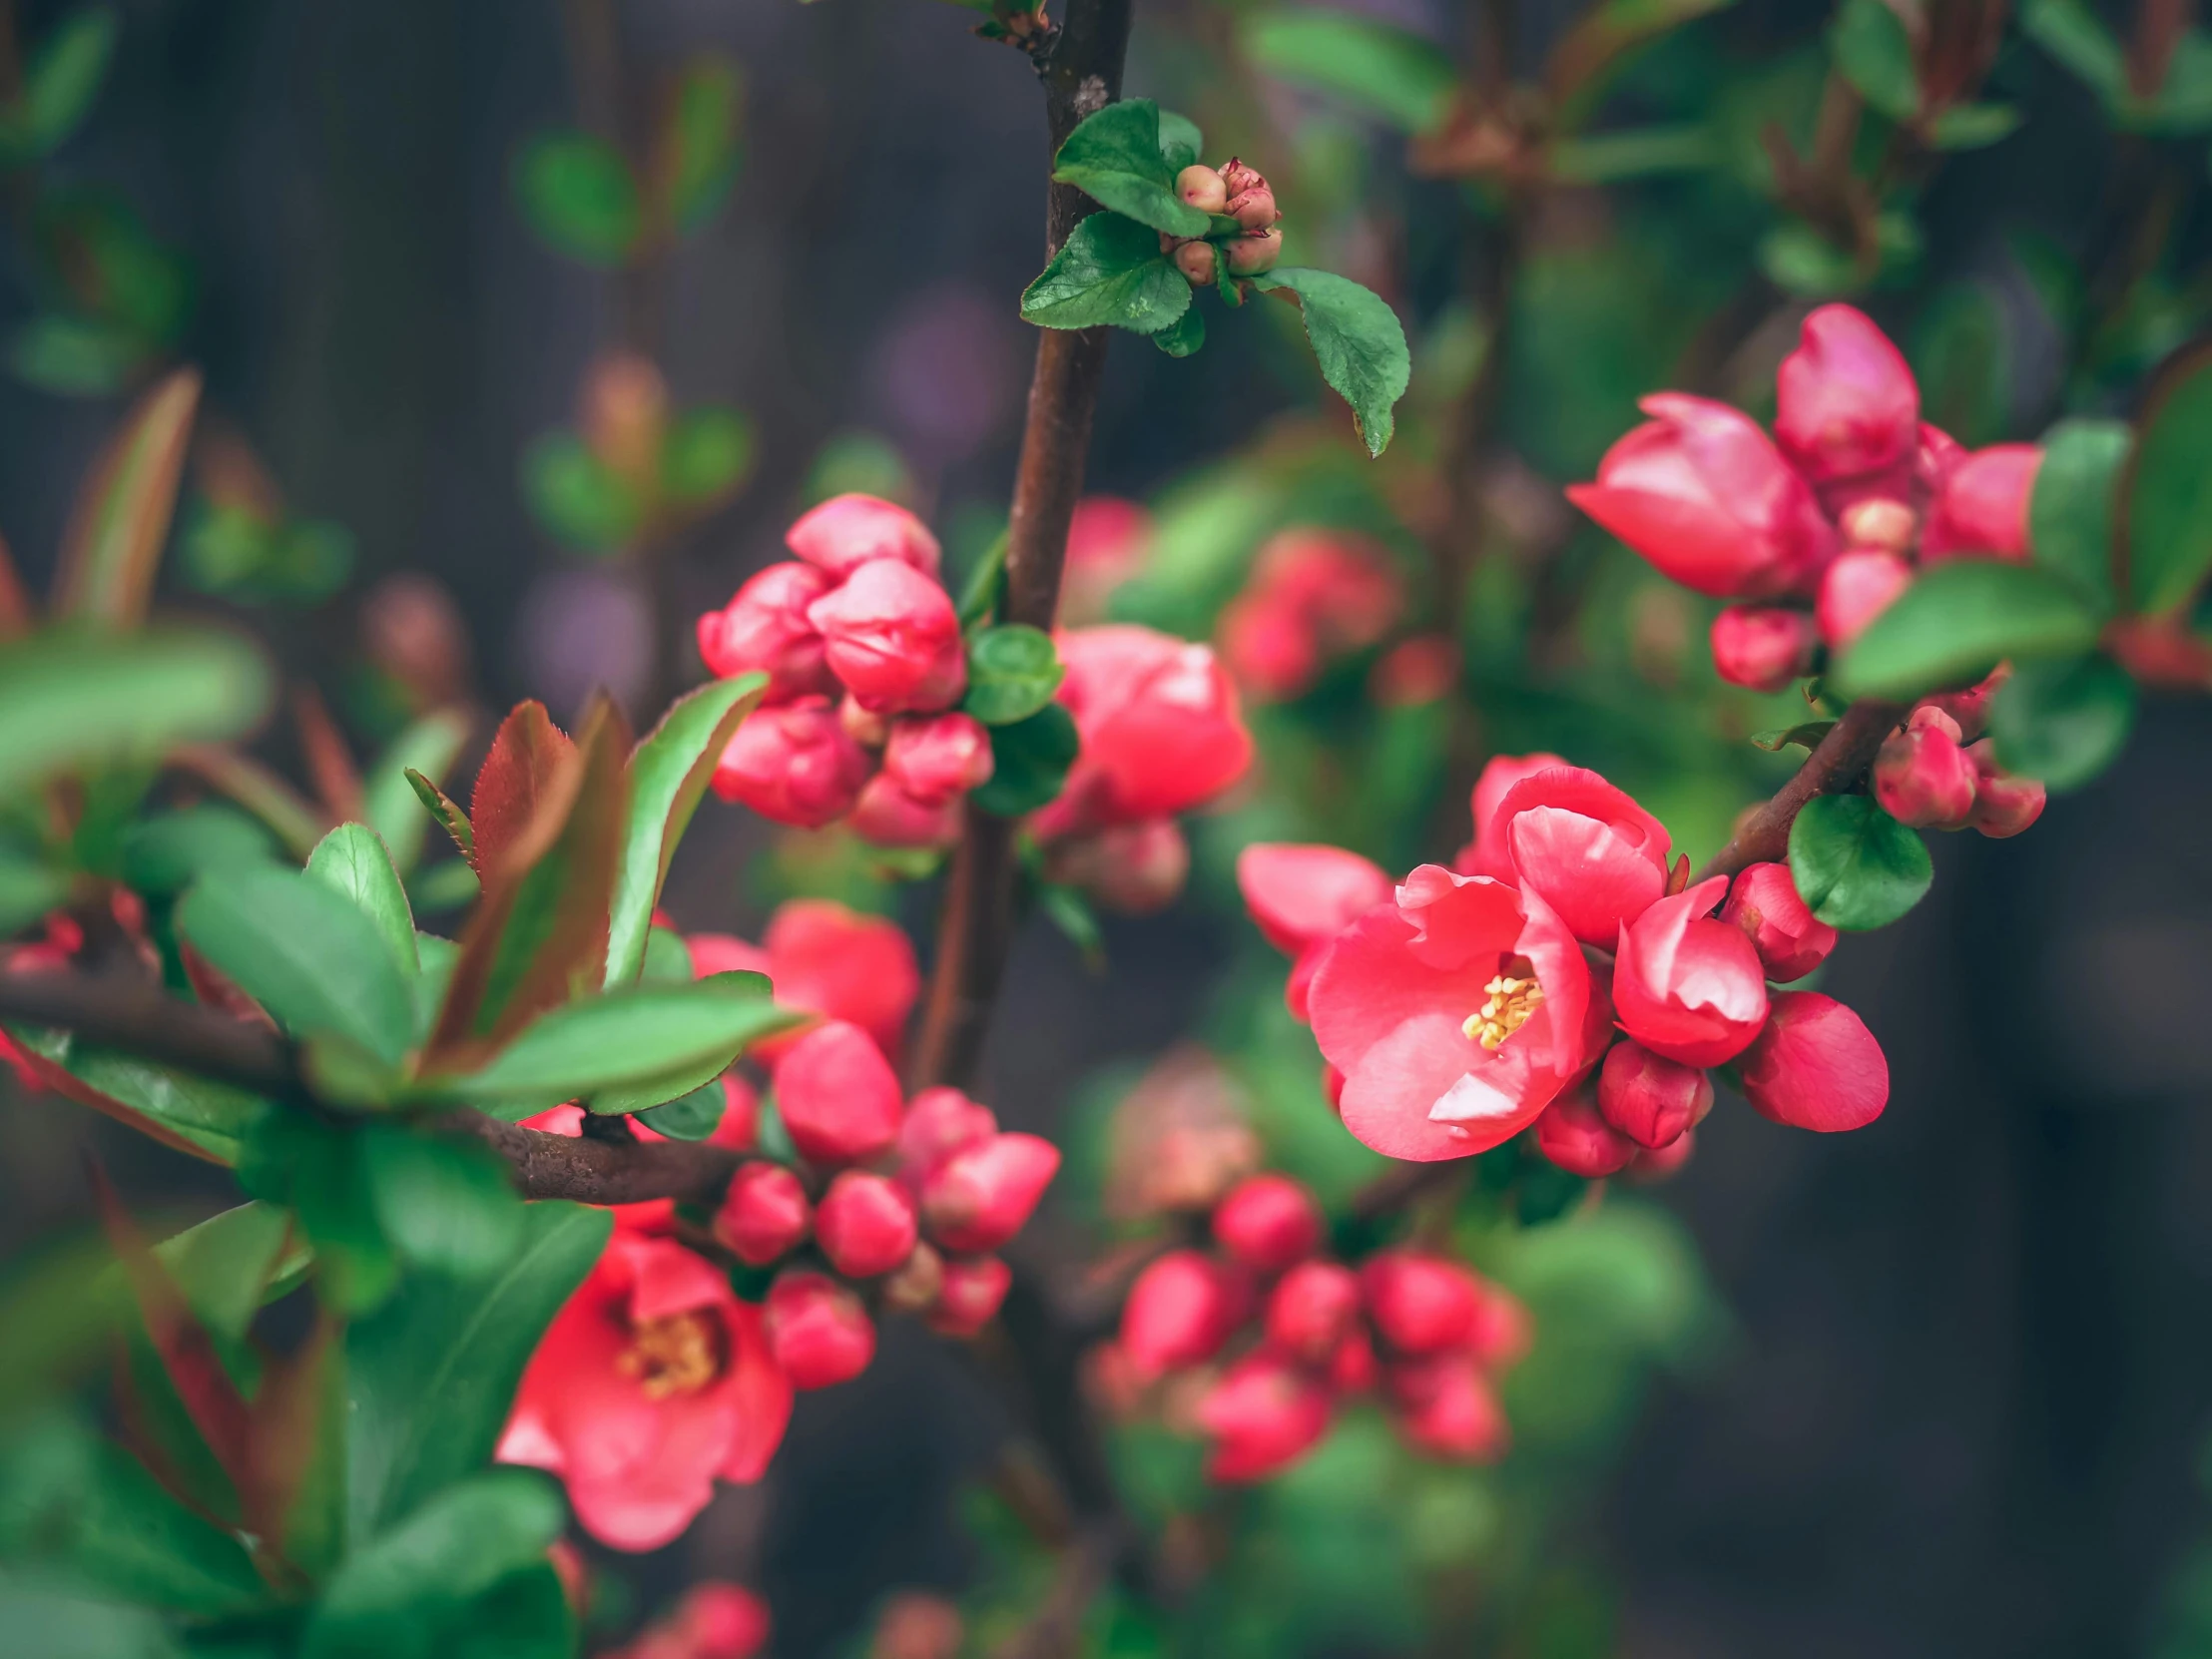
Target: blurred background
x,y
1937,1387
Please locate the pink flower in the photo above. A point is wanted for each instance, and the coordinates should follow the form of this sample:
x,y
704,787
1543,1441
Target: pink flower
x,y
971,1295
979,1196
1763,647
887,816
1159,722
1790,940
834,961
938,759
1263,1416
894,639
793,764
1456,1015
1268,645
1447,1408
1301,896
1981,509
1311,1310
1179,1312
1921,776
714,1621
1685,985
1133,870
764,1214
1314,595
1420,1304
1816,1066
866,1223
848,531
1108,541
1595,857
817,1330
2002,804
1846,403
939,1122
1268,1223
1855,589
650,1384
1487,853
1653,1101
838,1096
765,627
1573,1134
1703,493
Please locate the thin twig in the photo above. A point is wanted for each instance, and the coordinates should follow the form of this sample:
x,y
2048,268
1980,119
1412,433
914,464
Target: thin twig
x,y
1835,766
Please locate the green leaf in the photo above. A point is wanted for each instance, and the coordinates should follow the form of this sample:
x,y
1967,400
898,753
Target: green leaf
x,y
1807,736
667,959
1854,866
431,1377
1638,153
1012,672
65,76
2069,515
73,358
392,1595
1380,70
444,812
1973,126
72,702
2063,723
577,192
232,1264
1030,763
980,588
121,520
706,455
1958,621
447,887
1357,341
427,748
627,1036
164,853
2169,490
351,861
438,958
1110,271
449,1206
666,1085
577,496
210,1116
693,1117
1115,157
1071,913
700,141
305,953
1875,54
669,774
1183,338
1181,142
2070,32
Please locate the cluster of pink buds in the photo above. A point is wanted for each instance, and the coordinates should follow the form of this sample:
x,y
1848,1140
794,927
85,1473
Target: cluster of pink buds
x,y
1233,191
1314,596
1564,978
1937,770
1820,527
1265,1336
865,664
715,1620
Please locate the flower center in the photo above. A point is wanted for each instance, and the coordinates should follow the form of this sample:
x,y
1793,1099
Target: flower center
x,y
1513,995
679,1354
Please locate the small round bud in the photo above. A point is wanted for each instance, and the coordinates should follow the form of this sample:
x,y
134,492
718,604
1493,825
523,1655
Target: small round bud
x,y
1573,1136
1202,187
864,1224
2002,805
1921,776
817,1330
1889,525
1268,1223
1420,1304
971,1297
763,1215
1250,256
1255,211
1311,1310
1763,647
1790,940
1653,1101
1195,260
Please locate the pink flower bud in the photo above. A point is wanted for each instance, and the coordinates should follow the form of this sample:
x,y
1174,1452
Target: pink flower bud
x,y
1880,522
864,1225
1195,260
1653,1102
1790,940
1271,645
838,1094
887,816
793,764
914,1285
1503,1332
848,531
1651,1166
817,1330
1237,178
1179,1313
937,759
2002,805
1921,776
1971,707
973,1290
1855,589
1253,210
894,639
1352,1368
1420,1304
983,1194
722,1621
1262,1415
1447,1407
938,1123
764,1214
1574,1135
1846,403
764,628
1311,1310
1981,509
1248,256
1202,187
1687,986
1268,1221
1763,647
1816,1066
1133,870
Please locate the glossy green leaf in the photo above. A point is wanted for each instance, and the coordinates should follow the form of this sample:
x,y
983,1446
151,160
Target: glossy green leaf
x,y
445,1205
1973,126
1110,271
669,774
1379,68
165,853
1356,339
668,959
232,1264
691,1117
315,1166
699,141
706,456
1181,142
1030,763
1115,158
122,517
1854,866
431,1375
2169,491
211,1117
1012,672
351,861
428,748
1806,735
980,587
2063,723
1875,54
1184,337
2070,514
578,194
65,75
1958,621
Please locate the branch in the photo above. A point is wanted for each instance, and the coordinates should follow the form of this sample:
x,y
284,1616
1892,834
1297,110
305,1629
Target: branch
x,y
1839,761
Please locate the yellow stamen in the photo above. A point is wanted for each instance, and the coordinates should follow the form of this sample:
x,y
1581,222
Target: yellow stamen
x,y
1513,995
679,1354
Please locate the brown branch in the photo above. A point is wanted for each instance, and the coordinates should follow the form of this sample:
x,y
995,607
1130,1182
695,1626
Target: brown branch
x,y
1839,761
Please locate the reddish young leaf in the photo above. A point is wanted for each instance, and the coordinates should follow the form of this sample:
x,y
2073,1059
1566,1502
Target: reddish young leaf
x,y
338,780
122,516
447,811
527,761
218,989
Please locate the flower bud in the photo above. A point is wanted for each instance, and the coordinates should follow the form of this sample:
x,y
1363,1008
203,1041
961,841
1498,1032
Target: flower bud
x,y
1846,403
1921,776
1179,1313
765,627
764,1214
1268,1221
864,1225
848,531
816,1329
1880,522
983,1194
1447,1407
1248,256
792,763
1981,509
972,1292
2002,805
1971,707
938,1123
1816,1066
1790,940
1503,1332
1650,1166
1311,1310
1855,589
1353,1368
894,639
1574,1135
914,1285
1237,178
1687,986
1763,647
1195,260
838,1094
939,757
1420,1304
1255,209
1653,1102
1133,870
887,816
718,1621
1262,1415
1202,187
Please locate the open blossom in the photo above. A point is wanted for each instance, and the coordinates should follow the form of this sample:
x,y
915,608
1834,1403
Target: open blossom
x,y
1688,986
1597,859
653,1382
848,531
1791,940
794,763
831,960
1301,896
1456,1014
766,627
1487,853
